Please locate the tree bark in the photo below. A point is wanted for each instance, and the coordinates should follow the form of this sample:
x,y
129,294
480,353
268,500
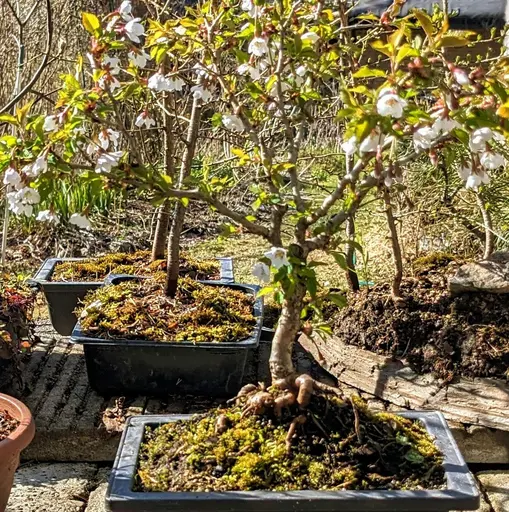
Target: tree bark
x,y
163,214
280,362
489,240
351,273
396,248
178,219
161,232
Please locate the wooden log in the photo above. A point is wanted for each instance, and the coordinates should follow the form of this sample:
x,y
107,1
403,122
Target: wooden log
x,y
471,401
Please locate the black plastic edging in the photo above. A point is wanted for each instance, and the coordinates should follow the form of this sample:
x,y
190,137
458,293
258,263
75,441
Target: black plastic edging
x,y
461,493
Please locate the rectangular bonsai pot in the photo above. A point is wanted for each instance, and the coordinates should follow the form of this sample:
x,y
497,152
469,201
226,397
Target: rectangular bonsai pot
x,y
64,297
461,492
133,367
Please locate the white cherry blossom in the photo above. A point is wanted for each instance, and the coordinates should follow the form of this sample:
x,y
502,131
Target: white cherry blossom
x,y
479,138
108,82
278,257
107,136
158,82
390,104
180,30
80,220
372,141
312,37
301,70
201,93
461,76
246,68
233,123
465,171
475,180
249,7
125,10
48,216
11,177
144,120
258,46
111,64
445,125
491,160
39,166
350,146
138,58
50,124
424,137
261,272
134,29
107,161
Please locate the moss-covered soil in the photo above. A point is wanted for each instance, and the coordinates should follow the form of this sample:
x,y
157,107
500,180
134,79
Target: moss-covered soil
x,y
8,424
449,336
340,445
137,263
140,310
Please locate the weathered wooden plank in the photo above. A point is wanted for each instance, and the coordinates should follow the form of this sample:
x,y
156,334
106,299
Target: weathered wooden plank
x,y
471,401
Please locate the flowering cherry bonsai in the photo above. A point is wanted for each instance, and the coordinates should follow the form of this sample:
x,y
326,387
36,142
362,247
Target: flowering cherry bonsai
x,y
258,75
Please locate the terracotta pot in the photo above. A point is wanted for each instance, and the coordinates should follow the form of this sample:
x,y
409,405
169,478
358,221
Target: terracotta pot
x,y
11,447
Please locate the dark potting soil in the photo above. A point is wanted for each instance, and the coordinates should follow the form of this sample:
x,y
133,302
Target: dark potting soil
x,y
449,336
8,424
140,310
137,263
338,445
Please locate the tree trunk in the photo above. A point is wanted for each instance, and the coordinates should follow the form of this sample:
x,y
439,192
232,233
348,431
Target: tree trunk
x,y
161,232
489,241
163,213
173,256
280,362
396,248
351,273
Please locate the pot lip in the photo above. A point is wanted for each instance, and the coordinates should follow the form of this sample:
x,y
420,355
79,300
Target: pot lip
x,y
252,341
21,437
461,493
43,274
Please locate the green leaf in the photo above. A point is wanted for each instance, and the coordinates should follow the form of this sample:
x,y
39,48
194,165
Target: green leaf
x,y
425,22
340,259
406,51
381,47
366,72
266,290
414,456
7,118
91,23
452,42
337,299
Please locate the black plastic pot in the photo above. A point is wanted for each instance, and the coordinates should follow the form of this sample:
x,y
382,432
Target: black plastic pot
x,y
461,492
64,297
132,367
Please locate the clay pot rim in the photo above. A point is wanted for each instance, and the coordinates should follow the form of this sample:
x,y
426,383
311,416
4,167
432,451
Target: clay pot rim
x,y
21,437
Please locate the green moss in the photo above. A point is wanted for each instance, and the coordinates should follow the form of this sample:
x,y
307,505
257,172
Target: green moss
x,y
327,454
137,263
140,310
432,261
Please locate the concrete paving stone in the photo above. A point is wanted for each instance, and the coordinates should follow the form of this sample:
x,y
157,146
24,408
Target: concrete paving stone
x,y
495,485
96,500
52,487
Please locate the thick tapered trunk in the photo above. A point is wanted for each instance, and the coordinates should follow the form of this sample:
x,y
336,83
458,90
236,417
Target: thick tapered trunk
x,y
396,248
280,362
172,272
161,231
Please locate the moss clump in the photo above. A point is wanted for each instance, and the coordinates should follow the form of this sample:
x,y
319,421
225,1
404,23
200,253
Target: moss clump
x,y
384,451
432,261
140,310
137,263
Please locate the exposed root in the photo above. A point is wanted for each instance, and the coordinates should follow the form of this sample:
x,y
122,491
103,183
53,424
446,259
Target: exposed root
x,y
299,420
222,424
357,421
299,390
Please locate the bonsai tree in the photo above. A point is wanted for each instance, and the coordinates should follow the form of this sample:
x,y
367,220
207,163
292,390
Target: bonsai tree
x,y
259,76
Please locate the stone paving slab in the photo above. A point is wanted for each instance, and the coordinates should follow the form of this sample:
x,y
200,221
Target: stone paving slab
x,y
74,423
70,487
